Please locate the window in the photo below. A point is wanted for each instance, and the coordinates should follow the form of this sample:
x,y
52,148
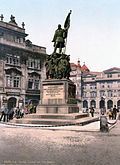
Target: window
x,y
78,72
78,84
30,83
109,85
84,94
102,93
12,81
72,78
110,93
102,85
109,75
34,63
7,60
93,104
33,83
16,82
16,60
13,60
118,93
10,59
93,86
78,92
84,87
118,84
9,81
85,104
93,94
36,84
73,73
79,78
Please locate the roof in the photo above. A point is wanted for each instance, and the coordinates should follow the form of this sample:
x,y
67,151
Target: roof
x,y
96,72
84,68
73,64
112,70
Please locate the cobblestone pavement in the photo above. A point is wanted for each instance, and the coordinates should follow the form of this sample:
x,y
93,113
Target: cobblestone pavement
x,y
59,146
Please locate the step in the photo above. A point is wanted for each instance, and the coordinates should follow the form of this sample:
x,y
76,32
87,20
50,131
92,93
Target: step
x,y
57,116
82,121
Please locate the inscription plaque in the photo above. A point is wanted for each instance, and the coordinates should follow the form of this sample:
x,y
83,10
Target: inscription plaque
x,y
53,91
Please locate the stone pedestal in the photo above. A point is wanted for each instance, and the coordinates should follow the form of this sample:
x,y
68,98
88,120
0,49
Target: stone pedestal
x,y
57,96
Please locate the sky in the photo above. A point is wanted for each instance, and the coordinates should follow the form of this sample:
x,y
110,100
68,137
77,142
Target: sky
x,y
94,33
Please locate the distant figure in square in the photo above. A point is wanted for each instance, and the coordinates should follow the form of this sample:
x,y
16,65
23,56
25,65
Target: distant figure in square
x,y
92,111
110,115
114,112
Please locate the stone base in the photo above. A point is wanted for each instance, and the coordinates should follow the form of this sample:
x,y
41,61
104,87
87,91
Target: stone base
x,y
53,119
58,96
57,104
58,109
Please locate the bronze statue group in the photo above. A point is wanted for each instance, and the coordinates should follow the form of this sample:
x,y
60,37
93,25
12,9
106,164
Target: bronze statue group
x,y
58,64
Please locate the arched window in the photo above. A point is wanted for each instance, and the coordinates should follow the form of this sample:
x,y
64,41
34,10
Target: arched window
x,y
118,104
109,104
102,104
85,104
93,103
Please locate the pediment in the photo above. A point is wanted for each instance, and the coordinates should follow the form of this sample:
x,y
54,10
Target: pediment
x,y
32,74
13,70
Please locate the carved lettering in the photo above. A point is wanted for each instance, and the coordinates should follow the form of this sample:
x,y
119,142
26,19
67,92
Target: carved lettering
x,y
56,91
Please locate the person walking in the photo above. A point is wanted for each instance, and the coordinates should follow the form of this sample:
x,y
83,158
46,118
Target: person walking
x,y
6,114
34,109
30,107
110,114
2,113
114,112
92,111
11,113
22,112
18,113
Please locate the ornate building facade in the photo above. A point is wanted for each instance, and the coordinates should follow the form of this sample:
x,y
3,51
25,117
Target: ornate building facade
x,y
101,89
76,76
96,89
22,66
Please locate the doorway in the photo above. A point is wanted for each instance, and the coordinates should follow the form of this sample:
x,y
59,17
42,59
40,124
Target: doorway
x,y
11,102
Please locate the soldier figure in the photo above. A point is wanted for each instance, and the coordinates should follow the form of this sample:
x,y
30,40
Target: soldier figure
x,y
58,39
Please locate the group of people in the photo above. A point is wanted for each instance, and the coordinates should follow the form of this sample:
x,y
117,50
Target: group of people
x,y
113,113
8,114
90,110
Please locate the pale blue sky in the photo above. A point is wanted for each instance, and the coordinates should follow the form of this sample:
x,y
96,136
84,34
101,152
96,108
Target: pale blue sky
x,y
94,34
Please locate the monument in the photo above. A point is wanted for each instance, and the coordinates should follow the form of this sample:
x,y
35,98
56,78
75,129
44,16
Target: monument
x,y
58,93
57,104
